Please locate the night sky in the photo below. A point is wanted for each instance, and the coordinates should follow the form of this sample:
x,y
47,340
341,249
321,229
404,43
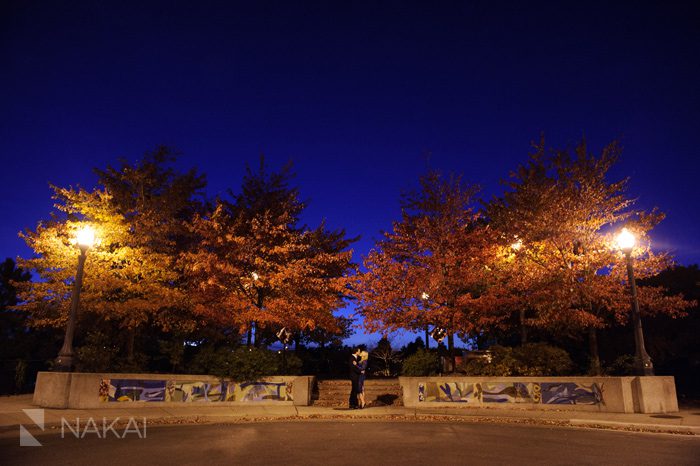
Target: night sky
x,y
363,97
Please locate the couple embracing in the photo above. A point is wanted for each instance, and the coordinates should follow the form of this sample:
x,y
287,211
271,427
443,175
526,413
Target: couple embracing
x,y
358,367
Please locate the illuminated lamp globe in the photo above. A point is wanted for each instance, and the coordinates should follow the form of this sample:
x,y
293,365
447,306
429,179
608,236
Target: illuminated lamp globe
x,y
85,237
625,240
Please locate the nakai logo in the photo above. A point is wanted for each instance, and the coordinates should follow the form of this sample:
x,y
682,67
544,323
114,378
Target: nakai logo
x,y
80,428
26,439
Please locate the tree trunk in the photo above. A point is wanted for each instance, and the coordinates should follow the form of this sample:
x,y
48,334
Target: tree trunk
x,y
596,368
130,337
175,355
257,336
427,338
451,351
250,335
523,328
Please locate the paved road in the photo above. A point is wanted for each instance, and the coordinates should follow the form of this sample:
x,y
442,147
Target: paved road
x,y
362,443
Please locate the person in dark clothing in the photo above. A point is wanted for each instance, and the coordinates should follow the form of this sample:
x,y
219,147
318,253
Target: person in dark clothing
x,y
355,372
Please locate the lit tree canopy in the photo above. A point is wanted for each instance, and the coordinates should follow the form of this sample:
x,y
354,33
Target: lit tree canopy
x,y
433,267
564,213
256,264
132,275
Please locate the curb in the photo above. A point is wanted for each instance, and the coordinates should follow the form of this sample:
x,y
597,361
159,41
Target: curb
x,y
675,429
404,414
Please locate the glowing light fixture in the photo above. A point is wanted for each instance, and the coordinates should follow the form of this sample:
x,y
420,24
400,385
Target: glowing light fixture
x,y
85,237
625,240
438,334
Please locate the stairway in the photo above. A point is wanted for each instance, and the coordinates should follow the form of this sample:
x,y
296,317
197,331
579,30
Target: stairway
x,y
378,392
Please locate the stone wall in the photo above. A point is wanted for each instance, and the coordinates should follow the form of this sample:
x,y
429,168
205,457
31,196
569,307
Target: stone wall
x,y
103,390
604,394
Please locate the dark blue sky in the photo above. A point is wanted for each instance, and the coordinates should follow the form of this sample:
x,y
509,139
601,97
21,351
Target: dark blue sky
x,y
355,93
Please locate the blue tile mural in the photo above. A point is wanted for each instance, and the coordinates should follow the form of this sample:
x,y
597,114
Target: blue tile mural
x,y
571,394
125,390
511,392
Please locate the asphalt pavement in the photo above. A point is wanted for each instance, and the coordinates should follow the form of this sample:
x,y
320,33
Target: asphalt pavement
x,y
13,414
357,442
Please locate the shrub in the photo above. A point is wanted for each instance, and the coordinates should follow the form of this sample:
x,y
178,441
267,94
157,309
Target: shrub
x,y
623,365
243,364
502,363
137,363
249,364
98,354
421,363
533,359
293,365
543,359
209,360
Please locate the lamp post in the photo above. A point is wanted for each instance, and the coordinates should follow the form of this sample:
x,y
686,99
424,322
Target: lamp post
x,y
515,247
85,238
644,366
284,336
439,335
425,297
258,303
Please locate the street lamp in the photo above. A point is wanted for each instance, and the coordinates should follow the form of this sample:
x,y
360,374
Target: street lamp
x,y
84,239
258,302
625,241
425,297
284,336
515,247
438,335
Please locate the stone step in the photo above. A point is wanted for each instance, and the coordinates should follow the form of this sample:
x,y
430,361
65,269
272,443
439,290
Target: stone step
x,y
372,380
346,383
342,395
384,400
340,388
330,403
378,392
368,389
373,396
368,385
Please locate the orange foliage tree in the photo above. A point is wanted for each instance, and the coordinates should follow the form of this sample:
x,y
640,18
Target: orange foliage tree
x,y
132,275
564,214
256,266
434,267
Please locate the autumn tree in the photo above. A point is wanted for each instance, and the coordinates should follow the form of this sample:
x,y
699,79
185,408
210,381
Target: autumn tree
x,y
257,266
11,322
132,276
433,268
384,360
328,337
563,213
18,344
155,199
